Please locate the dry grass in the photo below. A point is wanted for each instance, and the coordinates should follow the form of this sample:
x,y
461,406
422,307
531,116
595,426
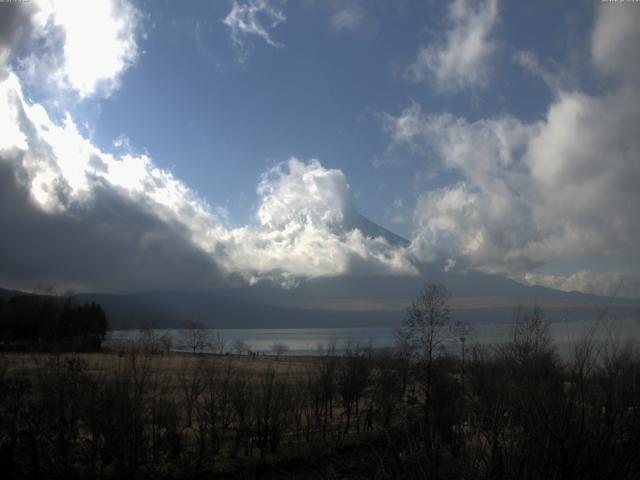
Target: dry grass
x,y
28,363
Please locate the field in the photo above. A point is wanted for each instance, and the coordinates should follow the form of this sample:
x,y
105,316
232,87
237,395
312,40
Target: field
x,y
517,411
172,363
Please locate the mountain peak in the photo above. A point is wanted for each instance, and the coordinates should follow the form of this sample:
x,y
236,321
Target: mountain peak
x,y
373,230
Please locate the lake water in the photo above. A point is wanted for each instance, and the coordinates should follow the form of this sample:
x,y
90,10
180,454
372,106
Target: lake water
x,y
305,341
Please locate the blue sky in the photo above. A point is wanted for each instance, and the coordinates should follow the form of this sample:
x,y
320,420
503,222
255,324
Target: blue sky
x,y
218,120
459,125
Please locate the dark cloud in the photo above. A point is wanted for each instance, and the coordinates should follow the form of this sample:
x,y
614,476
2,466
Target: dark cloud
x,y
15,22
15,29
109,243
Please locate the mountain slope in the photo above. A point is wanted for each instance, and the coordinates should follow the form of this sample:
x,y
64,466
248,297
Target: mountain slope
x,y
373,230
349,300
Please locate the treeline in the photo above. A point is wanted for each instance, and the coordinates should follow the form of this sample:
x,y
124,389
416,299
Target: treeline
x,y
41,322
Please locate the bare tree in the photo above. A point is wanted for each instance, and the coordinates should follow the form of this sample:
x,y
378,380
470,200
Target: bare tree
x,y
239,346
217,342
192,384
427,323
425,328
279,349
148,340
215,410
194,335
353,376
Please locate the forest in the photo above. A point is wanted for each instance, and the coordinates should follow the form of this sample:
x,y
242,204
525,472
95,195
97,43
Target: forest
x,y
46,322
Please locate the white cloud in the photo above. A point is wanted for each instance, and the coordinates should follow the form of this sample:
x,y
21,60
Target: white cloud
x,y
303,193
83,46
524,193
348,18
552,77
405,128
615,40
460,59
60,152
614,284
466,218
123,142
303,220
303,228
527,194
253,17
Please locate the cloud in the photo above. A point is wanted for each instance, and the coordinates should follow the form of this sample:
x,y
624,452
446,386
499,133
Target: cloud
x,y
466,218
348,18
75,216
614,39
460,59
525,194
552,77
304,228
15,29
614,284
303,193
108,244
80,46
253,17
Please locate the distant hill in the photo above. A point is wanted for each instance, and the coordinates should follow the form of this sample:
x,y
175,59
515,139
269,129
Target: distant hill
x,y
169,309
7,294
347,302
378,301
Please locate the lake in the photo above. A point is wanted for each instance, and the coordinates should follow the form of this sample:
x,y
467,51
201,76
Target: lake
x,y
305,341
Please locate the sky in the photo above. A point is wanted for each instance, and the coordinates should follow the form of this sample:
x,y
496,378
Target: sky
x,y
194,144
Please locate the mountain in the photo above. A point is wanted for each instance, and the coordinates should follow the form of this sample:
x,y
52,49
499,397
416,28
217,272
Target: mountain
x,y
167,309
338,302
7,294
349,300
326,303
373,230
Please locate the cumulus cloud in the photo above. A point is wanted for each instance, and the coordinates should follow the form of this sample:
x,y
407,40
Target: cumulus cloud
x,y
614,39
253,17
524,193
76,216
529,193
305,228
84,218
80,46
460,58
15,29
108,244
467,217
